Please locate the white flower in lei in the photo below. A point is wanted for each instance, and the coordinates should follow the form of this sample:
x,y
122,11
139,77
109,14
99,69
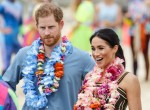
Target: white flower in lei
x,y
48,82
94,94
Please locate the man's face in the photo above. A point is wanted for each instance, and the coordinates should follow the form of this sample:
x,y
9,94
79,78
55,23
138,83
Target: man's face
x,y
49,30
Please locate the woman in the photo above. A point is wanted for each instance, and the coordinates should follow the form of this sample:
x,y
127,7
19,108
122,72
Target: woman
x,y
82,29
140,31
108,14
109,86
135,31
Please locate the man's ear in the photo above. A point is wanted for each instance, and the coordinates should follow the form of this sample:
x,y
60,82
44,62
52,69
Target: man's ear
x,y
36,24
61,24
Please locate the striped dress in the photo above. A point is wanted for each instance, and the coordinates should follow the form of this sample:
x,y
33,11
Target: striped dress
x,y
122,101
8,99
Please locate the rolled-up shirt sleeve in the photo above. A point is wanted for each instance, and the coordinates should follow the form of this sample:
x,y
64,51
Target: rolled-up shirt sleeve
x,y
13,74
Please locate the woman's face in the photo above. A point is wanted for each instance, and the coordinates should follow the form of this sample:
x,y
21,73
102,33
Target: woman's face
x,y
102,52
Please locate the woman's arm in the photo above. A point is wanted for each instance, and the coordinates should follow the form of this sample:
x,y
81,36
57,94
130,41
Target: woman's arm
x,y
133,92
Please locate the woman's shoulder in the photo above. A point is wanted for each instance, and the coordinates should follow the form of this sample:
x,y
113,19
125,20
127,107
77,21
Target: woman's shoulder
x,y
130,81
130,77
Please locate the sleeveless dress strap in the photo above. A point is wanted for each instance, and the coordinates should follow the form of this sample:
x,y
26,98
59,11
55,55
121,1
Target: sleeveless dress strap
x,y
122,77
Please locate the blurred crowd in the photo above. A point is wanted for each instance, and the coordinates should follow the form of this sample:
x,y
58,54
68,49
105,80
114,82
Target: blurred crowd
x,y
132,23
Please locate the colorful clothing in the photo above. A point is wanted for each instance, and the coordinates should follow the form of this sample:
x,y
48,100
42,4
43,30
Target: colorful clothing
x,y
29,32
12,14
136,14
2,43
8,99
140,15
122,101
76,64
100,89
80,37
107,13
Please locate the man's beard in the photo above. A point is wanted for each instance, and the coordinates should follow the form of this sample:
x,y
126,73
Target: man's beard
x,y
48,36
54,39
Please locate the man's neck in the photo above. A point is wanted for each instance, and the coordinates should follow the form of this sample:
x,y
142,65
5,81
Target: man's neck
x,y
49,49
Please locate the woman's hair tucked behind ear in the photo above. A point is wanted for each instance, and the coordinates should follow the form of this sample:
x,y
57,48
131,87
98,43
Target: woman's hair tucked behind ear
x,y
111,38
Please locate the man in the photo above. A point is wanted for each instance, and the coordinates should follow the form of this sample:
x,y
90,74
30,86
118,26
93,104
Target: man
x,y
8,99
51,67
11,11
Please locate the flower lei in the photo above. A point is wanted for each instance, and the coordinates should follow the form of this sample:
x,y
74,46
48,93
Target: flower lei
x,y
48,77
97,96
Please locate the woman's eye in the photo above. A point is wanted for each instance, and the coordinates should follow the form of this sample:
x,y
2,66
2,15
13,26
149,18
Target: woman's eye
x,y
100,48
93,49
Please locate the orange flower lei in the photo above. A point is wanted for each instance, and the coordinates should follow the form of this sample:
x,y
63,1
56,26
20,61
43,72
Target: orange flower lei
x,y
48,77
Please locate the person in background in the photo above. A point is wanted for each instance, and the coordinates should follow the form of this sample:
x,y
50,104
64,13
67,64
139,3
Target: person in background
x,y
51,67
8,99
82,30
134,14
28,29
108,86
108,14
146,37
139,31
2,42
11,11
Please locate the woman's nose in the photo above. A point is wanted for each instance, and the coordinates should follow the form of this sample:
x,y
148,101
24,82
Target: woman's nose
x,y
96,52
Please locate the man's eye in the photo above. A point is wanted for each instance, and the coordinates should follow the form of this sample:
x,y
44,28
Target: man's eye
x,y
51,27
42,27
100,48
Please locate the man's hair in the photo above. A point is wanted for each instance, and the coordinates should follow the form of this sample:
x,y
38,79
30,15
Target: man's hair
x,y
46,9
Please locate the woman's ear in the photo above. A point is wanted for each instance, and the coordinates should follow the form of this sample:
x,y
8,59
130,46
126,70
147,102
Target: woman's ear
x,y
115,48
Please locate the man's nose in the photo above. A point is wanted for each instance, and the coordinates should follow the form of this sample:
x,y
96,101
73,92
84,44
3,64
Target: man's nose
x,y
47,31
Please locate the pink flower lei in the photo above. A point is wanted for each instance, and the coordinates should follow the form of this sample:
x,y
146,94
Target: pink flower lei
x,y
96,96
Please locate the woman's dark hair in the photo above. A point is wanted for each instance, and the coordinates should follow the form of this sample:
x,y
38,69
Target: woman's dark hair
x,y
111,38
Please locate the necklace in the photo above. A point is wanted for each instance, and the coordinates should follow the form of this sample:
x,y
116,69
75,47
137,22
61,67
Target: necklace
x,y
48,76
94,95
